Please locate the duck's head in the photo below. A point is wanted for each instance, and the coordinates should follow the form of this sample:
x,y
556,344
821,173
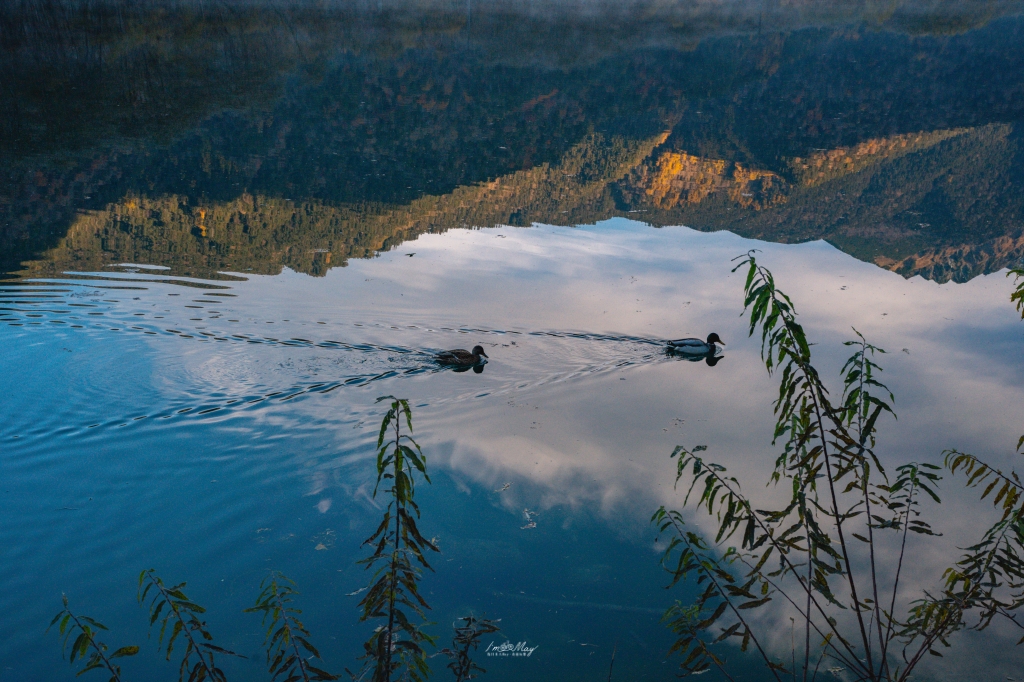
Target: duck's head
x,y
479,350
714,338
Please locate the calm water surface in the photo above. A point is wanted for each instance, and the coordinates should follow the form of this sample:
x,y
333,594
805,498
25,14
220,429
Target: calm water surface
x,y
225,235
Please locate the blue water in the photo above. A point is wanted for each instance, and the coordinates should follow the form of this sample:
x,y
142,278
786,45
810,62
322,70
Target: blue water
x,y
215,460
227,228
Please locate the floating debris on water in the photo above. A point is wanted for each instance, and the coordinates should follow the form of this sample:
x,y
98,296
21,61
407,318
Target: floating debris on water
x,y
324,540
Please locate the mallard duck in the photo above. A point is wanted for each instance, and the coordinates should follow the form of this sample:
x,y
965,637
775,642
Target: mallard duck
x,y
460,357
696,347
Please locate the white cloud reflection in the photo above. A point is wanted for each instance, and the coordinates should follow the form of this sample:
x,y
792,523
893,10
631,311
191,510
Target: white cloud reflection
x,y
602,441
588,423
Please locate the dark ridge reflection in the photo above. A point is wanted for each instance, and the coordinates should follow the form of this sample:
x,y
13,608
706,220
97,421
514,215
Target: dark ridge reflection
x,y
249,137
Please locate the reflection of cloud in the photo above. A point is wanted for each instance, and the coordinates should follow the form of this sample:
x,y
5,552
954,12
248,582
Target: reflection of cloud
x,y
602,444
319,482
624,279
600,440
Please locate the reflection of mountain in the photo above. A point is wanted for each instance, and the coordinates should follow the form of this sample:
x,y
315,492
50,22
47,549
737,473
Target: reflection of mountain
x,y
930,204
263,234
675,180
345,135
825,165
945,205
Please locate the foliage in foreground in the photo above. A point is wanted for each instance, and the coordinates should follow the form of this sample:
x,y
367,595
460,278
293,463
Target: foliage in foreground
x,y
1017,297
396,647
180,621
182,614
465,641
288,645
842,501
86,647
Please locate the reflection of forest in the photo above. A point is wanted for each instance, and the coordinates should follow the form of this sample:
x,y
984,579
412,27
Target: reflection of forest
x,y
945,205
263,233
256,139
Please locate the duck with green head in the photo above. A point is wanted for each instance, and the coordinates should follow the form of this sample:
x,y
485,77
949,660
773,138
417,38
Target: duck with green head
x,y
696,347
461,357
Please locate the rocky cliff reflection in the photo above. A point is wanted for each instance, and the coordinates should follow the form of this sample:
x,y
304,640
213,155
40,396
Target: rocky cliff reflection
x,y
255,140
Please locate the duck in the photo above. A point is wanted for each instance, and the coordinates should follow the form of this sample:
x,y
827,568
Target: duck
x,y
696,347
460,357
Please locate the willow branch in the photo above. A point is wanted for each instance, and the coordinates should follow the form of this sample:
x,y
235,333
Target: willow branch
x,y
184,628
92,641
792,567
805,615
899,569
710,575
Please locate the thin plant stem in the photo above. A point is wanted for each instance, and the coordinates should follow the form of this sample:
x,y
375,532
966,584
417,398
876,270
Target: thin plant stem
x,y
793,568
295,647
930,639
792,644
882,665
722,670
807,620
842,544
394,556
862,437
724,594
818,664
184,628
899,569
838,654
92,642
811,378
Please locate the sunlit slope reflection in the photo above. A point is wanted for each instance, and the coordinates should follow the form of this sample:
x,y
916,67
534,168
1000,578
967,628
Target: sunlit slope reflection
x,y
942,204
263,234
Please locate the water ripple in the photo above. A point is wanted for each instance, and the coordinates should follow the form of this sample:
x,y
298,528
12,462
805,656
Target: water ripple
x,y
243,381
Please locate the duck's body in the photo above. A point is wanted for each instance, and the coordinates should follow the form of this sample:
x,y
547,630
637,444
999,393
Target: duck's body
x,y
461,357
696,347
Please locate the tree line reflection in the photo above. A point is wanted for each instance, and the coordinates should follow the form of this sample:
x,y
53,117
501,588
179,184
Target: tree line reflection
x,y
261,137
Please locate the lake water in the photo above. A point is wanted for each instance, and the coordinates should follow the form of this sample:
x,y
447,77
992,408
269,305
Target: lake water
x,y
226,231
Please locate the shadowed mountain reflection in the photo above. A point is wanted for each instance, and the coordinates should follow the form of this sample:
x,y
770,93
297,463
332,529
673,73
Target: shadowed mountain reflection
x,y
252,137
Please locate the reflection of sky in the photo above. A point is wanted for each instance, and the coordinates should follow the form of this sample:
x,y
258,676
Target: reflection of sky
x,y
580,426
